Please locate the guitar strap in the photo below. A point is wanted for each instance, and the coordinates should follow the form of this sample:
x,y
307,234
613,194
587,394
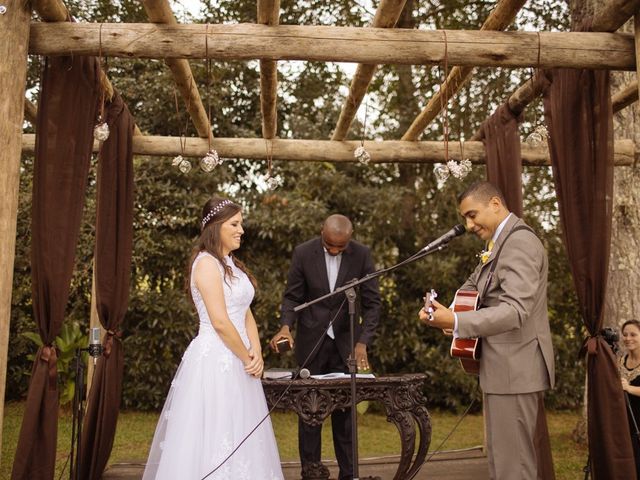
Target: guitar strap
x,y
494,263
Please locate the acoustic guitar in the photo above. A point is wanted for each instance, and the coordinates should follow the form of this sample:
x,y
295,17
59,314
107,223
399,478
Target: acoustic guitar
x,y
467,350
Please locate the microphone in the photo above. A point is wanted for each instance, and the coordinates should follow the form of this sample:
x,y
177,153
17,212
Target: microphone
x,y
444,239
95,347
304,373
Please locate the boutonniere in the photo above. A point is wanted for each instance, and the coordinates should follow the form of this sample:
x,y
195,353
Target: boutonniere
x,y
484,255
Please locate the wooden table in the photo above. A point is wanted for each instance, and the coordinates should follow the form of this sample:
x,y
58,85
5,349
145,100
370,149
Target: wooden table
x,y
314,400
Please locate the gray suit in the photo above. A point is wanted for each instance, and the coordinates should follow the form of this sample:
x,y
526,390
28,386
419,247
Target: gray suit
x,y
517,362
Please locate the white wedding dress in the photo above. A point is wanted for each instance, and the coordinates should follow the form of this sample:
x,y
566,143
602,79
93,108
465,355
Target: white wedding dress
x,y
213,404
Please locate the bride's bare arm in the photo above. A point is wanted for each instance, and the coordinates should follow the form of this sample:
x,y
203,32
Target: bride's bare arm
x,y
208,279
257,364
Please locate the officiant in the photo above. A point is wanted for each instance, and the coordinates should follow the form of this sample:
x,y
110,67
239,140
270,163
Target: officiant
x,y
318,266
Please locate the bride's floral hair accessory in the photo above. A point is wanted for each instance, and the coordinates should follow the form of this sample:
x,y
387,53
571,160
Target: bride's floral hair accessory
x,y
214,211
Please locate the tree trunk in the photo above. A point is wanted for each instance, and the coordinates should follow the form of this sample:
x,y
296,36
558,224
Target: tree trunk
x,y
623,294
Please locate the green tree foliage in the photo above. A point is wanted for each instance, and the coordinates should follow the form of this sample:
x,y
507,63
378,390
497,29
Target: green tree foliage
x,y
396,209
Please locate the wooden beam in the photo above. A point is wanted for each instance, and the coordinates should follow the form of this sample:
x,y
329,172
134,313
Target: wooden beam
x,y
531,89
386,16
30,112
389,151
608,19
625,96
14,38
159,12
614,14
613,51
269,14
55,11
500,18
51,10
522,97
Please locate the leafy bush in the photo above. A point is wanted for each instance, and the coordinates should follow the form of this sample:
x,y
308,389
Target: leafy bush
x,y
67,343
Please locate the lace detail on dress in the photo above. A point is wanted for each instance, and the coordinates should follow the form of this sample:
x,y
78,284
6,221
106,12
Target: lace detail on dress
x,y
629,373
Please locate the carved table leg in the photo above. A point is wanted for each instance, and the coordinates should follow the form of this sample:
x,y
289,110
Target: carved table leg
x,y
421,416
403,420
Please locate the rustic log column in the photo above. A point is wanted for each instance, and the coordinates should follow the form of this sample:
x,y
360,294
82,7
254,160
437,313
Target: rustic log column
x,y
14,45
636,26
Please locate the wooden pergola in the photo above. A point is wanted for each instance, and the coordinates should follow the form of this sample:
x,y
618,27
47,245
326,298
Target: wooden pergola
x,y
269,42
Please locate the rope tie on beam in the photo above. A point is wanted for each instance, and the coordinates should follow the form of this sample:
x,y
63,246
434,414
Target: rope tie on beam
x,y
211,160
450,167
443,102
101,129
272,182
540,134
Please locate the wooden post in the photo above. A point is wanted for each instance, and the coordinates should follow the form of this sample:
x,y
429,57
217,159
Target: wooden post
x,y
636,26
14,45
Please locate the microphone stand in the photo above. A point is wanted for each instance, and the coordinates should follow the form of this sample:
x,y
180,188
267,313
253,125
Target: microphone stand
x,y
78,413
350,292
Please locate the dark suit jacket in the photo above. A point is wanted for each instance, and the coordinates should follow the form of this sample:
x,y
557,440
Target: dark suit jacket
x,y
517,353
308,280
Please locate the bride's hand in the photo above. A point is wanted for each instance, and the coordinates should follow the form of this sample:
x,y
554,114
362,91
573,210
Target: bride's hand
x,y
255,366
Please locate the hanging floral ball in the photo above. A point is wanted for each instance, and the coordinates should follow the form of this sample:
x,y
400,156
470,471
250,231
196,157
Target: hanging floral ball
x,y
534,139
185,166
101,131
441,172
210,161
465,167
272,183
177,161
361,155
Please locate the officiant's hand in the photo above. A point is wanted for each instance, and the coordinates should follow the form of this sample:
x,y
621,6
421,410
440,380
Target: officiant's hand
x,y
255,366
284,332
362,361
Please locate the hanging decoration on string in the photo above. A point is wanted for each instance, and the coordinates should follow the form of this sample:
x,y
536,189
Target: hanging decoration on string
x,y
211,159
539,135
101,129
450,167
272,182
179,161
360,153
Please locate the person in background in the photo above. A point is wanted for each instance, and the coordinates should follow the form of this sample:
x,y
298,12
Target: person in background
x,y
317,268
629,366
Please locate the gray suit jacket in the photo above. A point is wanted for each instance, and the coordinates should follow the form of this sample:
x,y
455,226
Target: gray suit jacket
x,y
517,353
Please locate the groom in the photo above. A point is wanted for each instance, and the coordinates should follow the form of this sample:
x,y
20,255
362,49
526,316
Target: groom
x,y
317,268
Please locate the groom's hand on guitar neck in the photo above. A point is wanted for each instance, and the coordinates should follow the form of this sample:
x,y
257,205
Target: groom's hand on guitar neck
x,y
434,314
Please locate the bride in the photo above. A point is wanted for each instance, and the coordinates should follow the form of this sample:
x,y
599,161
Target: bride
x,y
216,398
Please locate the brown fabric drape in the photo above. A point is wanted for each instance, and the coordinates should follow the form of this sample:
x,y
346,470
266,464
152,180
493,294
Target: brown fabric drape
x,y
501,140
114,239
579,116
66,116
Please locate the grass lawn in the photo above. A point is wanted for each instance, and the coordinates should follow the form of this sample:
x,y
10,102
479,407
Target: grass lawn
x,y
376,436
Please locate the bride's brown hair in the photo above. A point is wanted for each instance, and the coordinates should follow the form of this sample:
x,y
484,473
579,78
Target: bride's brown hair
x,y
215,212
